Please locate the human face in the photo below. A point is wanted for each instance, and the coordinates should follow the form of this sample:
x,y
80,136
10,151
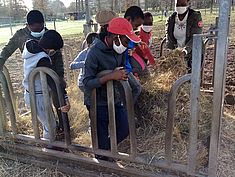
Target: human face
x,y
36,27
148,21
137,22
124,40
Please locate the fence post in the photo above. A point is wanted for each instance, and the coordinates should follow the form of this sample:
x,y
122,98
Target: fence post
x,y
194,103
219,84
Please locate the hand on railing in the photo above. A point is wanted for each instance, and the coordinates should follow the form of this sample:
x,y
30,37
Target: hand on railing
x,y
65,108
119,74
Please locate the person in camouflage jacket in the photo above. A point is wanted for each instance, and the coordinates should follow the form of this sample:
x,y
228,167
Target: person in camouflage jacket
x,y
180,28
34,29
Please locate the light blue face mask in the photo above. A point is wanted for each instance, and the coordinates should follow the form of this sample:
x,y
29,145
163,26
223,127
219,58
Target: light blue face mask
x,y
38,34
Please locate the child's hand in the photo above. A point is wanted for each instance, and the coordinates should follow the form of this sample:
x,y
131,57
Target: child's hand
x,y
119,74
65,108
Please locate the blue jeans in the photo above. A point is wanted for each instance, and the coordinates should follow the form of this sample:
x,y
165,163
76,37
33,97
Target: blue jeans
x,y
103,122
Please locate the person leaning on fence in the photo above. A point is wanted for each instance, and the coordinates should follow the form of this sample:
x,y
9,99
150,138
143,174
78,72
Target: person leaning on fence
x,y
38,54
34,29
103,18
180,28
107,53
79,61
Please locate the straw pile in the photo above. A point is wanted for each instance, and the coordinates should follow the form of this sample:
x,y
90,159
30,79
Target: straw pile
x,y
151,112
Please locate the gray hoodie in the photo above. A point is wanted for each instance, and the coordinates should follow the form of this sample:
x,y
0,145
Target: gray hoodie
x,y
100,58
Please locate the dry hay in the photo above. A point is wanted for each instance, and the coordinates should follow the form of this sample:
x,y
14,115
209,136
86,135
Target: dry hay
x,y
151,112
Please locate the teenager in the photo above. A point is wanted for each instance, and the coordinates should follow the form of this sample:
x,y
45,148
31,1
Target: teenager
x,y
108,53
34,29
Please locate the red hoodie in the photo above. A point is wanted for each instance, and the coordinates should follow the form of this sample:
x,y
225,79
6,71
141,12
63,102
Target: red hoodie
x,y
143,49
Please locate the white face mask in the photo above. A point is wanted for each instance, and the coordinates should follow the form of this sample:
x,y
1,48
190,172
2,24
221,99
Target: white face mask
x,y
181,9
38,34
119,49
147,29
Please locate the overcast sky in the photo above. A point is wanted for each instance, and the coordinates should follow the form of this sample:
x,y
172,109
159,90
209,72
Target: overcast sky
x,y
28,3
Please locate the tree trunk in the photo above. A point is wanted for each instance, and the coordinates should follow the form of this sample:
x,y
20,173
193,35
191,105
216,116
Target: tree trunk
x,y
82,6
112,6
172,4
99,7
146,5
212,4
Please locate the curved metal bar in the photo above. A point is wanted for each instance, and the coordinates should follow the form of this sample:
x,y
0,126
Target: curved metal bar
x,y
170,115
9,104
131,117
130,112
161,46
56,79
9,83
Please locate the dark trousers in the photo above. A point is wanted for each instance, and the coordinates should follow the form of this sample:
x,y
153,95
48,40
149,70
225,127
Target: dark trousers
x,y
103,122
59,113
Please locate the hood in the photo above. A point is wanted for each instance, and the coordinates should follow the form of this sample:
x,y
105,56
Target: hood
x,y
31,49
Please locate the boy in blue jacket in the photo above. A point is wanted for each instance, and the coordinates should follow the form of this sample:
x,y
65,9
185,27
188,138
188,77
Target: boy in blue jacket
x,y
79,61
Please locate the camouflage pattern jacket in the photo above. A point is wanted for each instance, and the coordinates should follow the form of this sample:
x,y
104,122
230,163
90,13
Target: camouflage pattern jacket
x,y
18,41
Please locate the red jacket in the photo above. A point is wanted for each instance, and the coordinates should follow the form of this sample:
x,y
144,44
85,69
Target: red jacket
x,y
143,49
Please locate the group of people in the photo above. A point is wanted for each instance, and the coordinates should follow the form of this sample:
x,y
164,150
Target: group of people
x,y
121,45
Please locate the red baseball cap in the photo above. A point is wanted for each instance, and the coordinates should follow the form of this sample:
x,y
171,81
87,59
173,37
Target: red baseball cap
x,y
121,26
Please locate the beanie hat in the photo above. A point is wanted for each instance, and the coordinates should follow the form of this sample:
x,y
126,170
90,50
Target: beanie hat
x,y
105,16
51,39
34,16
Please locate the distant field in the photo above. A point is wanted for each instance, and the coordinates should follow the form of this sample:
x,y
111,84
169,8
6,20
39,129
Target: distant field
x,y
63,27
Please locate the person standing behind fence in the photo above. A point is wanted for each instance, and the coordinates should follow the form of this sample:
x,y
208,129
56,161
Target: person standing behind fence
x,y
103,18
180,28
107,53
34,29
79,61
37,54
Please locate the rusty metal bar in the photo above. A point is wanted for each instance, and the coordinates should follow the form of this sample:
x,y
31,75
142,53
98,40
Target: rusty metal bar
x,y
47,106
131,118
9,83
93,117
112,117
219,84
194,103
162,46
56,79
2,115
9,103
170,116
33,106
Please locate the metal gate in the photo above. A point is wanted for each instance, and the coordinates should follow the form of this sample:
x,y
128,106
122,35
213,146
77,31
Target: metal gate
x,y
20,143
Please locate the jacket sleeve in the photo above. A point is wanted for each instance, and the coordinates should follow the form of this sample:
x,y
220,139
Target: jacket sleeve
x,y
58,63
196,29
90,80
170,44
79,61
9,48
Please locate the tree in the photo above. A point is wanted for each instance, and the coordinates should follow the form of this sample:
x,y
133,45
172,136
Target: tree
x,y
41,5
57,8
17,9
